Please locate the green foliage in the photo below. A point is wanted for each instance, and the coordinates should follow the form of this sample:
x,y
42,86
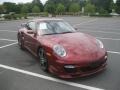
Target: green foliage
x,y
101,15
21,8
10,7
35,9
14,16
50,8
29,7
42,14
102,11
67,3
24,9
2,9
117,9
74,7
89,9
60,8
105,4
18,16
38,3
10,16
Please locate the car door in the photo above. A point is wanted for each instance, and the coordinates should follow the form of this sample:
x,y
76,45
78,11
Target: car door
x,y
30,37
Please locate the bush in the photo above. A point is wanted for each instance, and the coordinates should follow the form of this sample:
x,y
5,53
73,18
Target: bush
x,y
15,16
103,11
74,7
35,9
60,8
19,16
8,17
46,14
24,16
89,9
101,15
42,14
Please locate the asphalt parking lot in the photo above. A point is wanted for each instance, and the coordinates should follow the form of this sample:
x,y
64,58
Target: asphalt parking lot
x,y
19,70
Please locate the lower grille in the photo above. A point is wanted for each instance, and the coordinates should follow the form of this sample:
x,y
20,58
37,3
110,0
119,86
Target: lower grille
x,y
92,66
70,70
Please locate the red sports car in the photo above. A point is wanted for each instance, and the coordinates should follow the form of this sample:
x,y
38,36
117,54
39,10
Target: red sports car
x,y
61,49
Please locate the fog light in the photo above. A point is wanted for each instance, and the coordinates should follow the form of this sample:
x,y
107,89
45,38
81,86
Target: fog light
x,y
106,57
69,66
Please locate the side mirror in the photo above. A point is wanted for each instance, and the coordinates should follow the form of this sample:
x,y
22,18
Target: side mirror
x,y
23,25
26,26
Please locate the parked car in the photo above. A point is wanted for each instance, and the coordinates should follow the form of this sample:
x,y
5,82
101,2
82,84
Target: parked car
x,y
62,50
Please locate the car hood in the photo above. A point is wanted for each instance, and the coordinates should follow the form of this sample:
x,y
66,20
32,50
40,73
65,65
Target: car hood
x,y
77,45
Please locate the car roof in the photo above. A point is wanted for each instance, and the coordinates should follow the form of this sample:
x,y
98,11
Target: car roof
x,y
46,19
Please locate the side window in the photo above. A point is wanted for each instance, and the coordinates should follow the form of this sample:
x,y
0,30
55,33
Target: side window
x,y
32,25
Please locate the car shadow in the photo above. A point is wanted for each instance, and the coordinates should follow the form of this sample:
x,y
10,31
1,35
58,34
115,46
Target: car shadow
x,y
27,62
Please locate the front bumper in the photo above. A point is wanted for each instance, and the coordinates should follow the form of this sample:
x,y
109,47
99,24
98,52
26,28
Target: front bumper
x,y
78,70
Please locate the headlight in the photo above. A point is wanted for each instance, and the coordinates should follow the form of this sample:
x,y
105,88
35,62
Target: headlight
x,y
59,50
99,43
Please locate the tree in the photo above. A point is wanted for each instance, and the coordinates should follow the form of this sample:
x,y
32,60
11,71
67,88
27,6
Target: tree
x,y
24,9
10,7
29,7
104,4
66,3
117,9
103,11
1,9
38,3
35,9
50,7
89,9
60,8
74,7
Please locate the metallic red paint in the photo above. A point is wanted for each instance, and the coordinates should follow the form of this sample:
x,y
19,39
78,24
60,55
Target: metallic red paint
x,y
82,51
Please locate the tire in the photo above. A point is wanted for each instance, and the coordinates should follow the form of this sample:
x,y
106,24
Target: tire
x,y
43,60
20,42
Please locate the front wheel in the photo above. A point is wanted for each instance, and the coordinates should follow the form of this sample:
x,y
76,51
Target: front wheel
x,y
43,59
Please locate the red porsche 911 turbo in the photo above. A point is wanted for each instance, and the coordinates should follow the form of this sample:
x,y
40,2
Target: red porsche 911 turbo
x,y
62,50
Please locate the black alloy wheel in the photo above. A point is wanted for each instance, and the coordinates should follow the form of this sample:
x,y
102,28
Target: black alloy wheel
x,y
43,59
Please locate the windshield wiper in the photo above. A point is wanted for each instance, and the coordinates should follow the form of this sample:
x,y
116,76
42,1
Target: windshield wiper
x,y
58,33
66,32
51,33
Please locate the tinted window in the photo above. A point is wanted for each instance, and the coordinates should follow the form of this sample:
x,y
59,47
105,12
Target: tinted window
x,y
31,25
54,27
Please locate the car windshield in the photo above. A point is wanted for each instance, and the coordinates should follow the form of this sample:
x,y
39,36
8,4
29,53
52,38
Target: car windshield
x,y
54,27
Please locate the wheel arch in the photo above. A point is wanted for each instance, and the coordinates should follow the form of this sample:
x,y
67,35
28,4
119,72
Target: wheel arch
x,y
39,47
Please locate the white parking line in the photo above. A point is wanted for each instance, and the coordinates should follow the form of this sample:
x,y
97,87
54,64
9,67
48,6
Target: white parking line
x,y
85,22
46,77
8,31
113,52
101,28
8,45
116,39
7,39
50,78
101,32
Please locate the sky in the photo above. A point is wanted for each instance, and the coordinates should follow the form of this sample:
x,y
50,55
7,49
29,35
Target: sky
x,y
23,1
20,1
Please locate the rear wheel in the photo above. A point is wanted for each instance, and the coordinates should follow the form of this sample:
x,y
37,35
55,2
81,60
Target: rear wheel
x,y
43,59
20,42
